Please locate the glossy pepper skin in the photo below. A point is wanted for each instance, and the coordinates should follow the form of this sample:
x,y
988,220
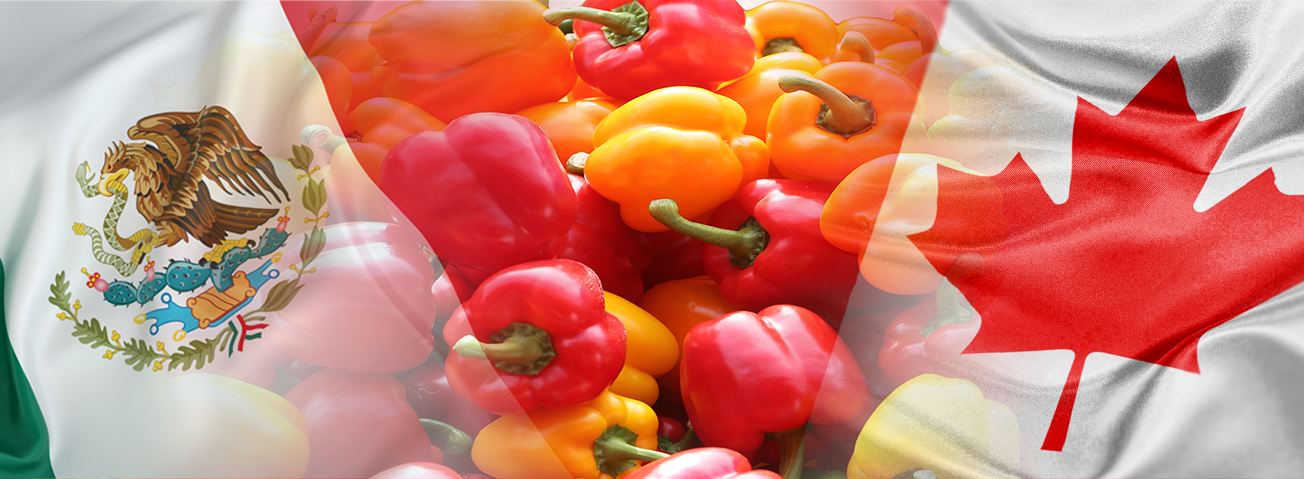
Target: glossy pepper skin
x,y
782,26
702,463
658,44
487,192
358,424
934,331
682,143
559,443
982,435
381,123
418,470
759,89
734,366
455,58
680,305
570,124
785,259
805,144
651,350
584,349
602,241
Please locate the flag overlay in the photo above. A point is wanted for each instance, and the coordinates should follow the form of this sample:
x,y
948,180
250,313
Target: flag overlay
x,y
1097,211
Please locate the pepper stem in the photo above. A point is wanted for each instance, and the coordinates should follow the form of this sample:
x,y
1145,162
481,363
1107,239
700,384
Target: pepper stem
x,y
841,114
575,164
918,21
615,451
622,25
450,440
744,245
917,474
792,450
781,45
519,349
856,43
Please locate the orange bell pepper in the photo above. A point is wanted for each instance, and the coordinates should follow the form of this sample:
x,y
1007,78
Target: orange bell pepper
x,y
783,26
570,124
682,143
757,91
680,305
650,351
577,442
382,123
850,113
454,58
346,42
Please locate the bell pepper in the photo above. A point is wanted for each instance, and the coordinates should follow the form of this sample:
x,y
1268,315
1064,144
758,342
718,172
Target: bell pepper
x,y
380,124
455,58
757,91
783,26
570,124
197,424
358,424
681,305
734,366
674,256
651,350
339,86
849,113
418,470
430,395
487,192
702,463
604,438
882,203
534,335
347,43
765,248
936,330
601,240
941,425
364,303
682,143
627,49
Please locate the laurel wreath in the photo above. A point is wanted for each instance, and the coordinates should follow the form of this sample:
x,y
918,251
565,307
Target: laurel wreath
x,y
139,354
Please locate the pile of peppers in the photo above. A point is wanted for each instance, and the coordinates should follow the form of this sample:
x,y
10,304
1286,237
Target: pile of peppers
x,y
627,239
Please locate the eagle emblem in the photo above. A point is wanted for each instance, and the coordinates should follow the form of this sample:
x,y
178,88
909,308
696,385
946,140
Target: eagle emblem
x,y
187,149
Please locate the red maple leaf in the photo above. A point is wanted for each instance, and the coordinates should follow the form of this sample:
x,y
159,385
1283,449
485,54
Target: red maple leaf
x,y
1126,266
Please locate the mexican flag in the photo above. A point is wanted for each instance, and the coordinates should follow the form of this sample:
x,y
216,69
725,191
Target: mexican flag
x,y
1091,219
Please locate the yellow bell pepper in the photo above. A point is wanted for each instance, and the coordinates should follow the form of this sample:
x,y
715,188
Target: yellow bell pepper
x,y
682,143
650,351
938,424
568,443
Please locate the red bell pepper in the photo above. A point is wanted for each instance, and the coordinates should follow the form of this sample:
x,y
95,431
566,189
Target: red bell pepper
x,y
534,335
418,470
764,247
628,48
734,367
674,256
702,463
365,301
358,424
920,338
487,192
603,242
432,397
381,123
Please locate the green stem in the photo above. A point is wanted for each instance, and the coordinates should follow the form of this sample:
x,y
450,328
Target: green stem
x,y
449,439
321,137
840,114
744,245
575,164
780,45
855,42
519,349
614,451
791,452
620,23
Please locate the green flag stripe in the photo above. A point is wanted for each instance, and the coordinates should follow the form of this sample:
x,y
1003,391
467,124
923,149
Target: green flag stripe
x,y
25,444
